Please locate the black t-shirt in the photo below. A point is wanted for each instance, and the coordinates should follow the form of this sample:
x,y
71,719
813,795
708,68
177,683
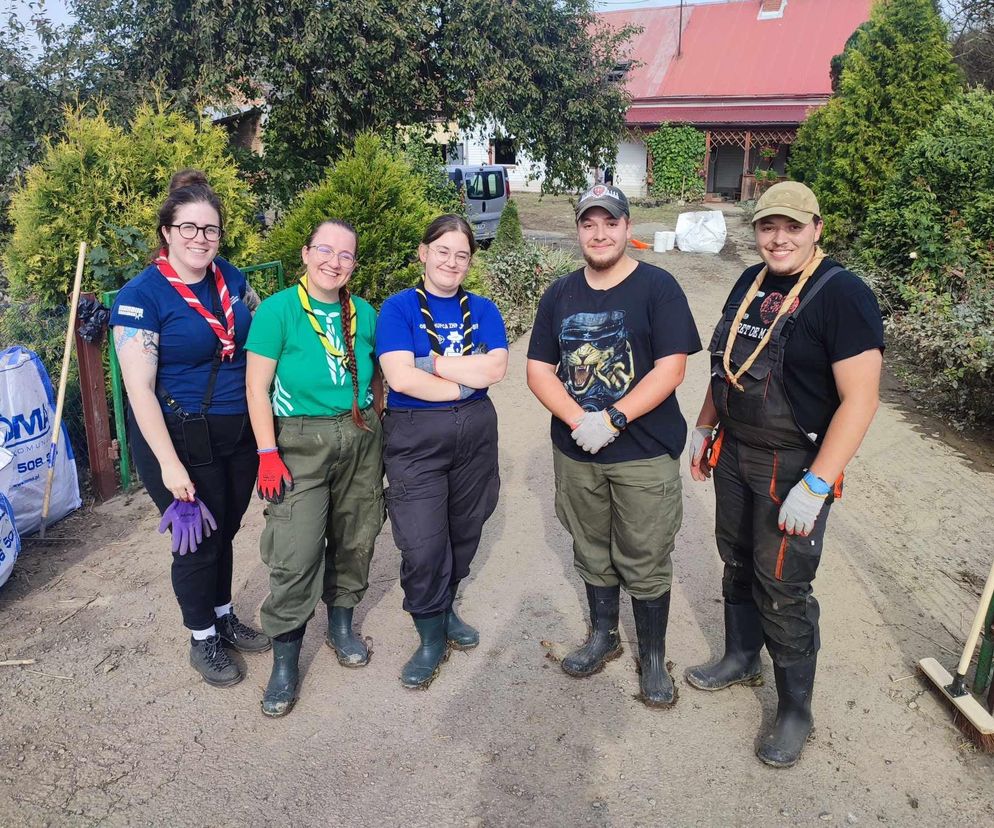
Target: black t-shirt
x,y
604,342
841,321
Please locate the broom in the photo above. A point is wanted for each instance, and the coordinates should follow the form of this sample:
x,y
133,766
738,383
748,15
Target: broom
x,y
67,352
968,714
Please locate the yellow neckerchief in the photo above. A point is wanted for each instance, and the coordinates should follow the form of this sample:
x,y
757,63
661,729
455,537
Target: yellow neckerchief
x,y
784,309
305,303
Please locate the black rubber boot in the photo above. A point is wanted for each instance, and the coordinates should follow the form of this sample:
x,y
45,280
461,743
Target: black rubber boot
x,y
241,636
603,642
281,692
655,683
349,648
459,634
211,660
740,664
423,666
782,746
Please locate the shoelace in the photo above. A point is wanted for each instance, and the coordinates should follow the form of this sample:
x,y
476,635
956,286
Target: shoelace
x,y
240,629
216,654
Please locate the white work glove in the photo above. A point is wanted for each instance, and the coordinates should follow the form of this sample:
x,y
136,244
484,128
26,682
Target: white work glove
x,y
803,505
701,440
594,431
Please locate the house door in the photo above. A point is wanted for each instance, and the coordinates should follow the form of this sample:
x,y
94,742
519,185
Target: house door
x,y
725,171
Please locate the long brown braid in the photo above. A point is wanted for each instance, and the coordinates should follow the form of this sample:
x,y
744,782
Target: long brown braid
x,y
345,297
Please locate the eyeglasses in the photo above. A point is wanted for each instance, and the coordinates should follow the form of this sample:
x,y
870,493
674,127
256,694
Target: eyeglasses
x,y
443,254
188,230
345,259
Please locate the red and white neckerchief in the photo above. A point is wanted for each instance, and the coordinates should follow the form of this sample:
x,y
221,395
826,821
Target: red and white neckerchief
x,y
226,332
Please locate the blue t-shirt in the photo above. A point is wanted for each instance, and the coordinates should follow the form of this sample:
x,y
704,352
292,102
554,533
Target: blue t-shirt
x,y
186,341
400,327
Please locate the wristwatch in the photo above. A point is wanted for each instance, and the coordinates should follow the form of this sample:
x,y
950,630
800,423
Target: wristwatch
x,y
618,420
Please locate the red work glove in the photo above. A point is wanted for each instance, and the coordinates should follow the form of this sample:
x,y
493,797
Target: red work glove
x,y
274,477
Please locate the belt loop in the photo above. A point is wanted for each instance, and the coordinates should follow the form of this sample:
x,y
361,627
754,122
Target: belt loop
x,y
300,425
410,414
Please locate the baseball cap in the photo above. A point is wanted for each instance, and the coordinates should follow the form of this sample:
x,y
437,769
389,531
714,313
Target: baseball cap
x,y
602,195
788,198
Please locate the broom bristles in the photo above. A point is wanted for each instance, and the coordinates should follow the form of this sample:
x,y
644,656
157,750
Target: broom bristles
x,y
983,741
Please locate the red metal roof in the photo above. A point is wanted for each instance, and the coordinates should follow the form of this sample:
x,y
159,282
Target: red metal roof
x,y
718,115
654,48
729,52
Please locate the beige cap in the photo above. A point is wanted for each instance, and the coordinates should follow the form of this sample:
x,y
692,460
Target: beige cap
x,y
788,198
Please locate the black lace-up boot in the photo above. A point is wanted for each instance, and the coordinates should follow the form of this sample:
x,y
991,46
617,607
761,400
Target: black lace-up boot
x,y
241,636
210,659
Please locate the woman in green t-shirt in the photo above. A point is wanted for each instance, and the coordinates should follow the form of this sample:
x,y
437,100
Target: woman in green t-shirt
x,y
311,364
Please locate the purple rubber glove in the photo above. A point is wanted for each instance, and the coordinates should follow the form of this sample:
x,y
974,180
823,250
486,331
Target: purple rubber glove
x,y
208,518
186,521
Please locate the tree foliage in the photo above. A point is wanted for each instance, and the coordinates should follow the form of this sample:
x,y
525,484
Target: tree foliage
x,y
677,161
103,184
972,25
897,75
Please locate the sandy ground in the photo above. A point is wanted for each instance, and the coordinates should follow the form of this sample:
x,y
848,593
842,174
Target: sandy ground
x,y
111,726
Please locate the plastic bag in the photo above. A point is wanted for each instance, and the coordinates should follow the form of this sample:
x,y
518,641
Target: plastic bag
x,y
701,232
10,540
27,409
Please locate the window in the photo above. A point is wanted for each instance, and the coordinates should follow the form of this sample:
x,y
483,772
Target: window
x,y
489,184
617,74
504,152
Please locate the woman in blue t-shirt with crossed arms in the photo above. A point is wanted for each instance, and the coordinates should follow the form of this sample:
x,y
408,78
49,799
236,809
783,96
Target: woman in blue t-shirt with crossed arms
x,y
180,329
440,348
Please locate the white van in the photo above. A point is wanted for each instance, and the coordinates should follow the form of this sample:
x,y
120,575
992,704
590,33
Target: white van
x,y
485,189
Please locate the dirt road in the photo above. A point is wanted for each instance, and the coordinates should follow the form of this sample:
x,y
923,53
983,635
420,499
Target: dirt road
x,y
110,726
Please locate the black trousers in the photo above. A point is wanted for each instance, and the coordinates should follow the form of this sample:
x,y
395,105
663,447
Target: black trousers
x,y
202,579
762,564
441,466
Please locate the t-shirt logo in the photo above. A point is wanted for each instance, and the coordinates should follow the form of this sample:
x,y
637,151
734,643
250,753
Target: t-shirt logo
x,y
770,307
596,364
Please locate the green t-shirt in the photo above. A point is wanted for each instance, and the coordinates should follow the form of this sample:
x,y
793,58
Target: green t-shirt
x,y
310,382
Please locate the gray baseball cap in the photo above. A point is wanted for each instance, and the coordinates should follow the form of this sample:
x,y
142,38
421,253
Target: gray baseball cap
x,y
603,195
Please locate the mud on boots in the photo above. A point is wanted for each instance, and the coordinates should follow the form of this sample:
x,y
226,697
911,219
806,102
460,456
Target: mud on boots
x,y
740,663
603,641
350,650
423,666
281,691
459,634
655,683
781,747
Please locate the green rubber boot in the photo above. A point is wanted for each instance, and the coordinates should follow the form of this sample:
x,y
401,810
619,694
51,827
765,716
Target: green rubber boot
x,y
349,648
423,666
460,635
281,692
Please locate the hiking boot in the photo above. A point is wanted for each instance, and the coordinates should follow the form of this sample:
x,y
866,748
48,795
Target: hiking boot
x,y
240,636
458,633
211,660
603,642
740,664
782,746
281,692
655,683
349,648
423,666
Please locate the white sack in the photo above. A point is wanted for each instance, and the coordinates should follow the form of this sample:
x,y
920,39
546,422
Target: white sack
x,y
10,541
702,232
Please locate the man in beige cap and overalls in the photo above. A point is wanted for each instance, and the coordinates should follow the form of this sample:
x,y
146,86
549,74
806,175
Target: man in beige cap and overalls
x,y
795,373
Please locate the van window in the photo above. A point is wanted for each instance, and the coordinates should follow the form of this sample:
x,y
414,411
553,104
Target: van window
x,y
488,184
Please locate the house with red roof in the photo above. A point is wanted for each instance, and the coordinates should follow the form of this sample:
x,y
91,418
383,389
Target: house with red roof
x,y
745,72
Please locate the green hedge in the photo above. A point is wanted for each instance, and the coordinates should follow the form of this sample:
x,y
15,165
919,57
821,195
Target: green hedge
x,y
677,162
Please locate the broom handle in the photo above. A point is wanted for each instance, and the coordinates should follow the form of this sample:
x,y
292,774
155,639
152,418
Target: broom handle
x,y
978,623
63,377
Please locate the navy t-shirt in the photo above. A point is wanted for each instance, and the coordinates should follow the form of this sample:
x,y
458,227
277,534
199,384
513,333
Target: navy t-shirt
x,y
186,341
604,342
841,321
400,327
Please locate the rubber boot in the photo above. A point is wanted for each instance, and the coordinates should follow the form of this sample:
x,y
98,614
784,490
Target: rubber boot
x,y
281,692
603,642
423,666
349,648
459,634
782,746
740,664
655,683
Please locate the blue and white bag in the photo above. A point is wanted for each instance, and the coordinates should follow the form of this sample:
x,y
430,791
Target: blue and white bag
x,y
10,541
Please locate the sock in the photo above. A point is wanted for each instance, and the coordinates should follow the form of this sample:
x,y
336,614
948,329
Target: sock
x,y
203,635
220,612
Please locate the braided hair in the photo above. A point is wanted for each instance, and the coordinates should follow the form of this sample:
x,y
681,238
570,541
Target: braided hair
x,y
345,297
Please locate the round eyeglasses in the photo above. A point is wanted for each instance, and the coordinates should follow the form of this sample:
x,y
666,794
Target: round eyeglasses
x,y
188,230
345,259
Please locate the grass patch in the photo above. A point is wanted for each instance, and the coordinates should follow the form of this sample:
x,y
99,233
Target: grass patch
x,y
554,213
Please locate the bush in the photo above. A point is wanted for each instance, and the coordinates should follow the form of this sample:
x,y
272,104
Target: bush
x,y
517,277
677,162
896,74
929,245
374,189
509,233
103,184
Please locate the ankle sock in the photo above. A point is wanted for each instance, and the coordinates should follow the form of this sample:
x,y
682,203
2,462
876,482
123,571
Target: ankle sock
x,y
220,612
203,635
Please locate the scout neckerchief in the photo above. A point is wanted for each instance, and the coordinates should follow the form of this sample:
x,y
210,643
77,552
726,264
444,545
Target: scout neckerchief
x,y
305,303
225,333
785,307
467,322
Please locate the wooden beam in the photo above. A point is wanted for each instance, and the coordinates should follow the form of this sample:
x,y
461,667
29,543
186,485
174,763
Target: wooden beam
x,y
93,385
707,158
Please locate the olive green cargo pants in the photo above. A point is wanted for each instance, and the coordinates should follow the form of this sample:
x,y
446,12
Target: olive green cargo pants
x,y
319,541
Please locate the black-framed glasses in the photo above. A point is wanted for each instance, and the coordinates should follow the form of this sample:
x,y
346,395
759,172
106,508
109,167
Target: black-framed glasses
x,y
345,259
188,230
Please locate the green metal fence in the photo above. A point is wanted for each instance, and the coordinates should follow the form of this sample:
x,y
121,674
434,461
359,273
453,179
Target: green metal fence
x,y
265,279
